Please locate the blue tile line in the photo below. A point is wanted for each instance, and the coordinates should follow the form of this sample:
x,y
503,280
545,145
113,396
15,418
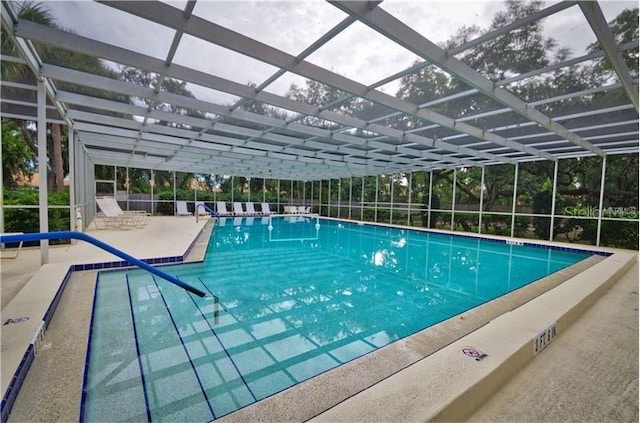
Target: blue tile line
x,y
220,340
29,355
186,350
16,383
85,376
481,237
48,315
135,335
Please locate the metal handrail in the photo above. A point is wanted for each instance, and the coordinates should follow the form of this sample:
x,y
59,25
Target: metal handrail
x,y
84,237
206,208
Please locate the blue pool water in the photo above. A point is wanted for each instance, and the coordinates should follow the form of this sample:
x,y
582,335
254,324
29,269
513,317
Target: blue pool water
x,y
293,301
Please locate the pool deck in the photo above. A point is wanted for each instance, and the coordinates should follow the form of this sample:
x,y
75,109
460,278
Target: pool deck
x,y
591,367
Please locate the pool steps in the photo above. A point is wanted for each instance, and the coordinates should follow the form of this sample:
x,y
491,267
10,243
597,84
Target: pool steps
x,y
42,293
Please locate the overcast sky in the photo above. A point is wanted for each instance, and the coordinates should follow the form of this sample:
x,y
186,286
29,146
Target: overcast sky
x,y
357,53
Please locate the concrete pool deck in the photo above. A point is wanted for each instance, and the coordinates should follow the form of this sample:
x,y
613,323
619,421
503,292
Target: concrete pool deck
x,y
431,375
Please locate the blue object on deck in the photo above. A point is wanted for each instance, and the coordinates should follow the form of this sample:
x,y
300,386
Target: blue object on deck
x,y
207,208
37,236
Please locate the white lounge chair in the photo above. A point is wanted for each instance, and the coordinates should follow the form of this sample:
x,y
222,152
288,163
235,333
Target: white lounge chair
x,y
114,217
140,217
265,209
181,209
251,210
221,208
237,209
15,253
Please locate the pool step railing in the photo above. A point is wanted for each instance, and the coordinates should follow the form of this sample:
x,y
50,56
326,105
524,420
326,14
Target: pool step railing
x,y
207,209
62,235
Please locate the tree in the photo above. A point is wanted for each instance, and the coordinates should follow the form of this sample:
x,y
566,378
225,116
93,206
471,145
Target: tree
x,y
56,133
625,29
510,54
17,160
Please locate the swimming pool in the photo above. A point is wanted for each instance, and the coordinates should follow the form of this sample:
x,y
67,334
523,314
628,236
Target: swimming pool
x,y
294,301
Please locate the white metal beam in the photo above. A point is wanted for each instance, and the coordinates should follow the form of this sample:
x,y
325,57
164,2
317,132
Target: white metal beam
x,y
398,31
211,32
593,13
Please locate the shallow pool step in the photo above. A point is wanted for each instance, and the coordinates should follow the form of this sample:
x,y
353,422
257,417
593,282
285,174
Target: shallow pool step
x,y
183,372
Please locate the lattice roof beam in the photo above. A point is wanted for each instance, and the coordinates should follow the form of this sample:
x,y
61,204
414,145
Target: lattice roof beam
x,y
394,29
594,15
208,31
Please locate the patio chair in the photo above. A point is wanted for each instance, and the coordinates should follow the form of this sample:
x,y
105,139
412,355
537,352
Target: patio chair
x,y
112,215
221,208
251,210
265,209
15,253
181,209
237,209
140,217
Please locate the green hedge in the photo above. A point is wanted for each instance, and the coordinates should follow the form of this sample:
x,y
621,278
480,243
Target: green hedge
x,y
28,219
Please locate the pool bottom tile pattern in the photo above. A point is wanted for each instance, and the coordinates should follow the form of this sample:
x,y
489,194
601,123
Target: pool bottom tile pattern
x,y
285,304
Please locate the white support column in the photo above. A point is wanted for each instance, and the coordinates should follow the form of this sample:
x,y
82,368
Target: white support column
x,y
515,195
553,199
42,170
375,210
453,197
320,198
195,193
339,197
601,201
291,193
233,179
481,200
410,198
391,205
329,199
175,198
127,184
350,195
72,180
430,193
152,182
362,200
264,190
